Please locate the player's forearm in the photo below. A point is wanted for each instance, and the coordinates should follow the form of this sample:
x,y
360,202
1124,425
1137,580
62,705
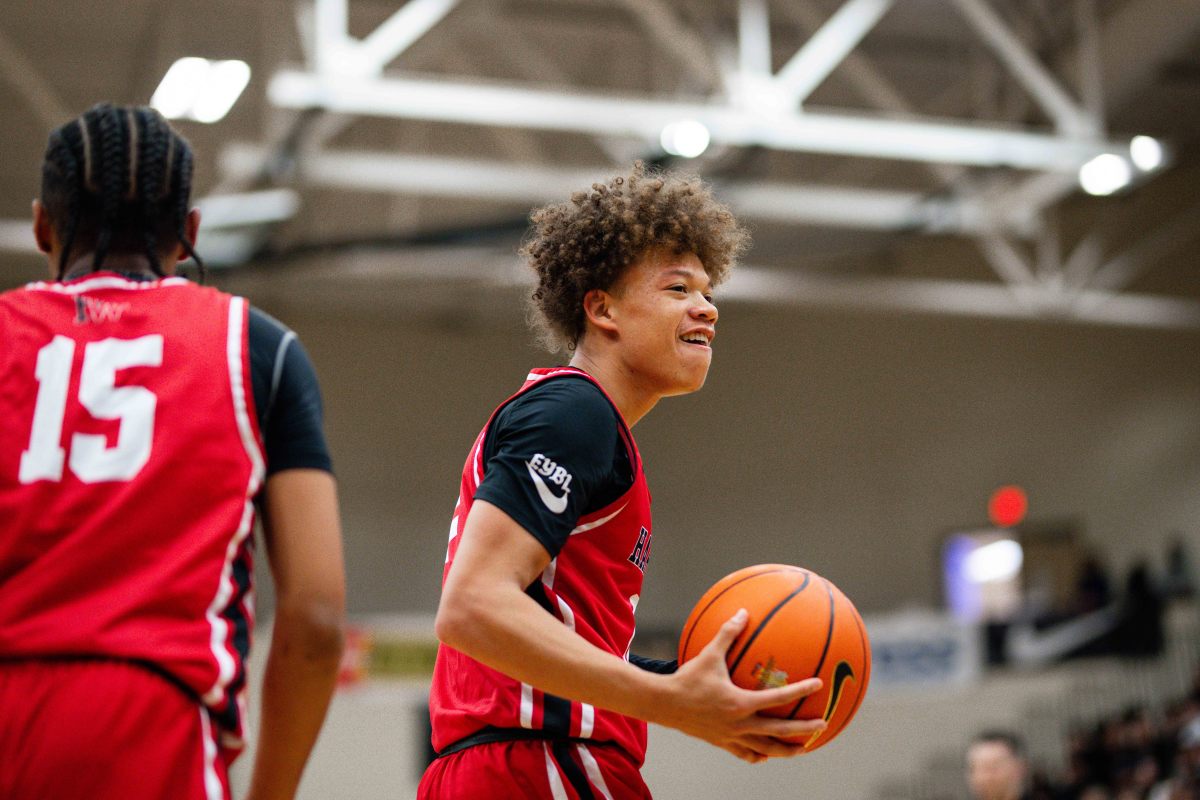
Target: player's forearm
x,y
306,649
508,631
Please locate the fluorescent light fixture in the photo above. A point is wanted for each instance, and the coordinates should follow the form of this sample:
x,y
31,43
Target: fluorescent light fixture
x,y
1105,174
999,561
200,89
1146,152
687,138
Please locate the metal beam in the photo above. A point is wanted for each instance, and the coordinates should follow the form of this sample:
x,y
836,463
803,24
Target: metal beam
x,y
1125,268
829,46
754,38
870,82
961,298
603,114
1045,89
525,184
16,236
357,278
398,33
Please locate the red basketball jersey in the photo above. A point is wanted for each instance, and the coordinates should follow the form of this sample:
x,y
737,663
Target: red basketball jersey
x,y
129,455
592,587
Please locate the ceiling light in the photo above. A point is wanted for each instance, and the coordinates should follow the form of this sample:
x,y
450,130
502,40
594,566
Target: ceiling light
x,y
1105,174
1146,152
687,138
200,89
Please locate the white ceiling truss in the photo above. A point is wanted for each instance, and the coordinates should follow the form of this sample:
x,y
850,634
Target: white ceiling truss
x,y
994,177
758,106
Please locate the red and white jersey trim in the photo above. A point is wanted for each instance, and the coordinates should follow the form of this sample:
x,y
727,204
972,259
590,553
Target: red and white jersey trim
x,y
219,625
103,282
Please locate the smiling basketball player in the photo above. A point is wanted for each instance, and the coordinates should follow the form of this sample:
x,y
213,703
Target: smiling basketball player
x,y
535,693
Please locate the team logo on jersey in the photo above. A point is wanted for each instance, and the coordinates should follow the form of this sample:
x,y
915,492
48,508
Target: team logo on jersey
x,y
543,469
640,556
89,309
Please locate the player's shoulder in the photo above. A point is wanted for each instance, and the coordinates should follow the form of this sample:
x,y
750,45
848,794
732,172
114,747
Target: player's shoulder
x,y
263,325
570,395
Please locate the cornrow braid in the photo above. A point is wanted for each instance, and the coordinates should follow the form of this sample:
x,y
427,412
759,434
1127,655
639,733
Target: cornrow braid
x,y
114,174
183,177
60,157
155,143
118,179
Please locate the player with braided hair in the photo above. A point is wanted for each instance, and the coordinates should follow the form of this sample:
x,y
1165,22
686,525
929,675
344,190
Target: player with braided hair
x,y
535,693
146,420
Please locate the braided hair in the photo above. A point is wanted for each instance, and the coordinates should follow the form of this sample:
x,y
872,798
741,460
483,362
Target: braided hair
x,y
118,179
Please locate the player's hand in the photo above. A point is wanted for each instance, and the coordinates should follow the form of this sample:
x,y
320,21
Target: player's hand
x,y
709,706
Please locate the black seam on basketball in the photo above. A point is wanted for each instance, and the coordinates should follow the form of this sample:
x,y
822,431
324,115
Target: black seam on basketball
x,y
703,611
824,652
862,687
574,773
807,579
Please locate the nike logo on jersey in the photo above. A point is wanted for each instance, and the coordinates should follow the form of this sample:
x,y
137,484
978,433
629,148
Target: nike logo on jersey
x,y
543,469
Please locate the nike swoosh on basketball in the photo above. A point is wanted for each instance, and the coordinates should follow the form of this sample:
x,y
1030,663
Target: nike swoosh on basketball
x,y
556,504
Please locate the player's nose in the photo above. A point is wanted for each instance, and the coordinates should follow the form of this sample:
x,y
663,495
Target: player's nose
x,y
705,309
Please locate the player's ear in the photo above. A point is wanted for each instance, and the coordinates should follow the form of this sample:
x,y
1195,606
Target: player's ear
x,y
43,229
191,227
598,308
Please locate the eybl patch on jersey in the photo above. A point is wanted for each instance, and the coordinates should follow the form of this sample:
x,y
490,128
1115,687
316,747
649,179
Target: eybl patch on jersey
x,y
543,469
640,556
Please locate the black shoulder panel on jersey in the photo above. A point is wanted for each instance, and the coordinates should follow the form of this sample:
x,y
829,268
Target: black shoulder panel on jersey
x,y
287,397
553,455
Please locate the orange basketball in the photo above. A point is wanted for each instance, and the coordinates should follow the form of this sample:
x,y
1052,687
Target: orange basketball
x,y
800,626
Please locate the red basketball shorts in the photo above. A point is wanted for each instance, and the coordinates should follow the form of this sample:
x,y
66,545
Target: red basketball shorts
x,y
104,730
534,770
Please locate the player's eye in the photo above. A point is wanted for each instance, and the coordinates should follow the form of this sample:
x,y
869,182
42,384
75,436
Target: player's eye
x,y
678,287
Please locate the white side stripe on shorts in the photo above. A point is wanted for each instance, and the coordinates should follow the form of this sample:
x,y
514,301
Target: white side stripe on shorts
x,y
593,770
212,781
557,790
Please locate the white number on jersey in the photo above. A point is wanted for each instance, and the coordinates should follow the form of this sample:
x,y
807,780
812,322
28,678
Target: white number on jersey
x,y
91,459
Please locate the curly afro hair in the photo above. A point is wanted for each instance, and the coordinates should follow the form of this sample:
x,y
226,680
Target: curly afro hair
x,y
587,242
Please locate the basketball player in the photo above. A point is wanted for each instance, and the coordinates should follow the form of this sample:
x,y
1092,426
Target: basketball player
x,y
534,691
144,417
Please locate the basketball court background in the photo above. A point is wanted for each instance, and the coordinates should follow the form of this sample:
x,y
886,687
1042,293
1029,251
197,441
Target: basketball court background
x,y
933,306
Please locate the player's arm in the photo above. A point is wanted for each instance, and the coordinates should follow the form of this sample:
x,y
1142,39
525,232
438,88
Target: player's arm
x,y
304,546
486,614
302,534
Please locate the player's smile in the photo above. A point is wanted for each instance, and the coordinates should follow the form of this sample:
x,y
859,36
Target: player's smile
x,y
700,337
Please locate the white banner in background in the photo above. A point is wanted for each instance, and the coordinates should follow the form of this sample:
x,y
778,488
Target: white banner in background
x,y
922,648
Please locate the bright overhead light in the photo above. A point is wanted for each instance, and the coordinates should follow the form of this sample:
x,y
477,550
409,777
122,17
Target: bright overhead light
x,y
999,561
200,89
1105,174
1146,152
687,138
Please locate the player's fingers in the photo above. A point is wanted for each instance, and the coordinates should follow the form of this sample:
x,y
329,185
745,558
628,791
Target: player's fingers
x,y
785,728
783,695
721,643
769,746
745,753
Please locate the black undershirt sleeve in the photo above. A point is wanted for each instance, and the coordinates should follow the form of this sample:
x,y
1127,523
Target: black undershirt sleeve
x,y
661,666
287,397
552,455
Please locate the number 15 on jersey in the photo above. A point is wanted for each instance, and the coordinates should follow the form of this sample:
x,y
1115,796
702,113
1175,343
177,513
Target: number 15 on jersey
x,y
90,458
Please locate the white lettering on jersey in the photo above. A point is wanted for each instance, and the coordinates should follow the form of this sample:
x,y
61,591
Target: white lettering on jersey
x,y
543,469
